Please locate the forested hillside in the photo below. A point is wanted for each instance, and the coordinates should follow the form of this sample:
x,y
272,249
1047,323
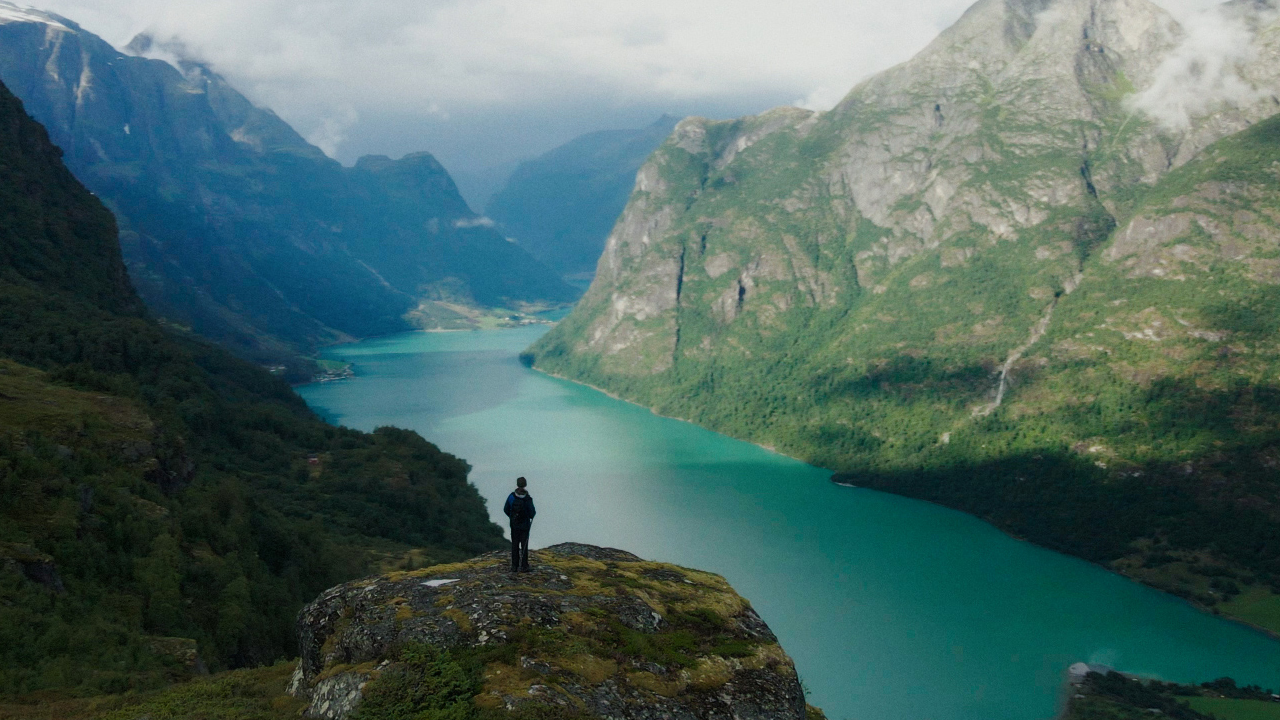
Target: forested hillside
x,y
990,277
165,507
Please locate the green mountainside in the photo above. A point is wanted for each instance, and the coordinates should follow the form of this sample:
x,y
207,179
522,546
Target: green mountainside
x,y
234,226
1108,695
987,279
165,507
561,205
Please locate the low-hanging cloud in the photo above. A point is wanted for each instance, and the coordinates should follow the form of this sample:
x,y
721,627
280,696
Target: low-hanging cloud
x,y
1203,73
482,82
442,59
332,129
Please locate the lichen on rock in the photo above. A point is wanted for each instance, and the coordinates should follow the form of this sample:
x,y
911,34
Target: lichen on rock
x,y
589,632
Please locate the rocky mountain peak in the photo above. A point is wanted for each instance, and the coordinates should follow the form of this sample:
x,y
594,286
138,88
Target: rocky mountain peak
x,y
10,13
416,162
1058,43
144,43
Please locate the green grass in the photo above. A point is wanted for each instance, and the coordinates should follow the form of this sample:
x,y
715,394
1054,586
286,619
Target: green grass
x,y
1257,606
1230,709
332,365
256,694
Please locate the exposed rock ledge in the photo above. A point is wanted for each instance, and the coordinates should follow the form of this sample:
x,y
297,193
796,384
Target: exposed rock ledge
x,y
591,632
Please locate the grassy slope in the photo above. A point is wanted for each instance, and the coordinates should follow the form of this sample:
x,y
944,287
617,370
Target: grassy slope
x,y
1117,697
154,487
1230,709
256,694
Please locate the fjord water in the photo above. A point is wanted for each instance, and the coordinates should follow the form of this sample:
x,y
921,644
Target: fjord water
x,y
892,608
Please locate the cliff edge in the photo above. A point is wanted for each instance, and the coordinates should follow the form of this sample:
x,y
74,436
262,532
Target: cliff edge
x,y
590,632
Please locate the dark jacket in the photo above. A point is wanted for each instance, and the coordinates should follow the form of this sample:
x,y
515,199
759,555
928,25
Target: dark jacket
x,y
509,509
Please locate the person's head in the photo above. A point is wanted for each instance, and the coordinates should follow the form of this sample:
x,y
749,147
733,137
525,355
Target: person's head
x,y
521,482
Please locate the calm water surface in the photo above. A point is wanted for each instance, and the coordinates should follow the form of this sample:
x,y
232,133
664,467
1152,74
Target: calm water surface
x,y
892,608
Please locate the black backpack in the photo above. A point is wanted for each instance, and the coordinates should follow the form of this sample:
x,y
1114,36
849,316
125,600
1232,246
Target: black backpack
x,y
519,510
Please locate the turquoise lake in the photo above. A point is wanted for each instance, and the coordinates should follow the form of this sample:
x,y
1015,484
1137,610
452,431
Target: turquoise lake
x,y
892,608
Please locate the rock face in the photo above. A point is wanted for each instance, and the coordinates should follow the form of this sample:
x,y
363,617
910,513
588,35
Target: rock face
x,y
1014,134
561,205
591,631
232,224
1022,274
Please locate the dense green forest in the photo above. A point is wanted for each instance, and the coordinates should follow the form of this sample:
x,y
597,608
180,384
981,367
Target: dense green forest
x,y
164,507
1113,696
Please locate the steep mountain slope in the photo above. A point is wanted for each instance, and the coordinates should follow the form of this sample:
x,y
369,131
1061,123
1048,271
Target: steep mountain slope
x,y
164,506
561,205
955,285
231,223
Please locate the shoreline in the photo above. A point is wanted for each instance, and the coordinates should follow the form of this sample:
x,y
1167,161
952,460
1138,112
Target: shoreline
x,y
766,448
1199,607
833,474
353,340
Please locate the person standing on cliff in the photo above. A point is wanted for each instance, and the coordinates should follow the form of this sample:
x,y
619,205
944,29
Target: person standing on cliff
x,y
519,508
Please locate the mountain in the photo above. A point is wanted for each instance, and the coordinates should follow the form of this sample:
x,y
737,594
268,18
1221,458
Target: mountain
x,y
1011,275
479,185
560,206
235,227
166,508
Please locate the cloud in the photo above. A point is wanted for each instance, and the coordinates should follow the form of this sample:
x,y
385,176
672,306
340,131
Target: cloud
x,y
444,60
482,82
332,130
1203,71
822,98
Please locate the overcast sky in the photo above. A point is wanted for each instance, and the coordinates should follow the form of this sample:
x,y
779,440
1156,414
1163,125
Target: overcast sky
x,y
481,83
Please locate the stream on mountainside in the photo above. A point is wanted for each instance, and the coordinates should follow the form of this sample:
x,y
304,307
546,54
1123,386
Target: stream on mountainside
x,y
891,607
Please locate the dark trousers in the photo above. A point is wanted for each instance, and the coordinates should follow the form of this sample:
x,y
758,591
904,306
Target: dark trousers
x,y
520,548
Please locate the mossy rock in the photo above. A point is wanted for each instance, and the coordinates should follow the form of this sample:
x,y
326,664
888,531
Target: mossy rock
x,y
589,632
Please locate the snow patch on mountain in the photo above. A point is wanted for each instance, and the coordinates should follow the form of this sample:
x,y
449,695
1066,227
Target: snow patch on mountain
x,y
10,13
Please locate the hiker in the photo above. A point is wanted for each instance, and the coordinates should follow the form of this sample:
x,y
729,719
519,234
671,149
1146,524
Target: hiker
x,y
520,509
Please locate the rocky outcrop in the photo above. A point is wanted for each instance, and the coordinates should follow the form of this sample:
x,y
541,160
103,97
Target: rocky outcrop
x,y
36,566
591,631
